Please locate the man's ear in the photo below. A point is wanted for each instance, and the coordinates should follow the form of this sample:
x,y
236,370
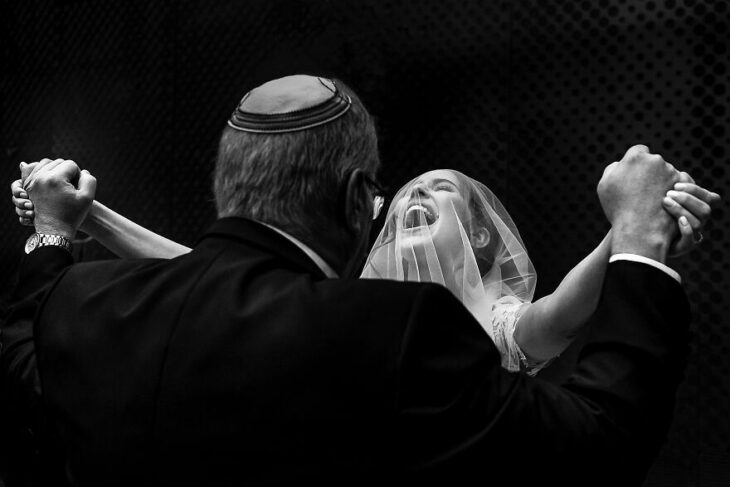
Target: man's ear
x,y
479,237
356,202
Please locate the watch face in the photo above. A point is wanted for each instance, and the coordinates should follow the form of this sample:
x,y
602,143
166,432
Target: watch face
x,y
31,243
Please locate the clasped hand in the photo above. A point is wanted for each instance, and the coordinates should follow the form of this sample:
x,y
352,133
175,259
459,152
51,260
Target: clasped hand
x,y
60,192
635,192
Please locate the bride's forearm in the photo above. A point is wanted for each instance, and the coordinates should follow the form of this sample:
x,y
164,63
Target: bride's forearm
x,y
126,238
549,325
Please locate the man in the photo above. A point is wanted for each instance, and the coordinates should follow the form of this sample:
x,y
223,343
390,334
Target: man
x,y
247,361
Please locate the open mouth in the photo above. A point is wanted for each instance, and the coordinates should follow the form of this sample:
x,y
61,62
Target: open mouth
x,y
418,216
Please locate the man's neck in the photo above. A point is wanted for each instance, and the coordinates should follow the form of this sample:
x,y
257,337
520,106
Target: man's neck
x,y
316,257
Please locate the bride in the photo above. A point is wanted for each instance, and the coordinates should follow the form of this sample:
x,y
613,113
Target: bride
x,y
447,228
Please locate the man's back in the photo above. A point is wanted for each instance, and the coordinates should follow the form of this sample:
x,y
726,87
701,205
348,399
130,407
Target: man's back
x,y
229,357
240,363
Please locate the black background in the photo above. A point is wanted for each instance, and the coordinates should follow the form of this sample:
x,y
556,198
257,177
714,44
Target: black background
x,y
531,97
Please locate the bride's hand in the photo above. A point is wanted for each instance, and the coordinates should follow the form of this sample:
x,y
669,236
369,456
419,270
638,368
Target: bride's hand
x,y
692,206
23,205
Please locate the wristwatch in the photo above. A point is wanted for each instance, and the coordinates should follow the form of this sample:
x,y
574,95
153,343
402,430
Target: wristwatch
x,y
44,240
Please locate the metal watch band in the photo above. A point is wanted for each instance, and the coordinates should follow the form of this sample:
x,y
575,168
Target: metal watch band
x,y
45,240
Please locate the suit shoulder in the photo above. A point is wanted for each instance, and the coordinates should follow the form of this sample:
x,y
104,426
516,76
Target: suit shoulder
x,y
382,292
114,266
91,274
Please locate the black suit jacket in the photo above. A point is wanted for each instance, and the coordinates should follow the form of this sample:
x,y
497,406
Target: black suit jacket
x,y
241,363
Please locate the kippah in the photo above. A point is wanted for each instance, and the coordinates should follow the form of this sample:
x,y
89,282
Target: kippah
x,y
290,104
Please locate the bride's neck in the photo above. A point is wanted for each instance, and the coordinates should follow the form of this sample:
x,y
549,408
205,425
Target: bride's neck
x,y
451,273
454,279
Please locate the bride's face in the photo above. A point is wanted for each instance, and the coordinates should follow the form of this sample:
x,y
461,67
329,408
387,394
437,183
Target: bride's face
x,y
428,212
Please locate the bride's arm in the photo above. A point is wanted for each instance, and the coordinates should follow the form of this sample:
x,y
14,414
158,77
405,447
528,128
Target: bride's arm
x,y
548,325
117,233
126,238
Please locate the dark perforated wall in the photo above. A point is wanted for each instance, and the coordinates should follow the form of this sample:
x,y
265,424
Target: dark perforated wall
x,y
532,97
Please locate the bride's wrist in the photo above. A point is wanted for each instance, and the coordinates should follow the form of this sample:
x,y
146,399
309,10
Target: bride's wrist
x,y
92,218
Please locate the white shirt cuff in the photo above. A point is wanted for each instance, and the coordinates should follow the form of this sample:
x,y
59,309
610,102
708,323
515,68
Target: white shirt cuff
x,y
647,260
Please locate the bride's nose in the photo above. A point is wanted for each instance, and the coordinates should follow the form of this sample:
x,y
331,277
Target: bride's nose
x,y
419,190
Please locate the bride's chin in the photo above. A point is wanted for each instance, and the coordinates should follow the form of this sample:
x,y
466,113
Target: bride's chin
x,y
417,238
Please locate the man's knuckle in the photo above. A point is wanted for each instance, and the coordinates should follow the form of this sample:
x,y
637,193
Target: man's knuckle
x,y
654,159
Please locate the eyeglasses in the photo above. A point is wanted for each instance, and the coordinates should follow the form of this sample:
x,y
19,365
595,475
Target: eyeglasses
x,y
378,198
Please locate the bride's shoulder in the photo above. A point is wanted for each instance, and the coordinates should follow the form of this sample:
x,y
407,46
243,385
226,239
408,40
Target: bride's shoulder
x,y
508,301
507,309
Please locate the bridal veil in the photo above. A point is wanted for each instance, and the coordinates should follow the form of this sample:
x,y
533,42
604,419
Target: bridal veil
x,y
445,227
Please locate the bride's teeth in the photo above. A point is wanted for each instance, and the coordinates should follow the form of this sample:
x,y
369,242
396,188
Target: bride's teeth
x,y
428,214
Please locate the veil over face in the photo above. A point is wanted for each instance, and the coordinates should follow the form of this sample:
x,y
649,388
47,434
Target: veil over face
x,y
447,228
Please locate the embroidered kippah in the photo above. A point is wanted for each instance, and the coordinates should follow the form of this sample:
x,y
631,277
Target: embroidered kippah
x,y
290,104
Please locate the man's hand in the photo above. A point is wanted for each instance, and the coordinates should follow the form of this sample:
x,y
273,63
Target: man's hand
x,y
62,195
631,192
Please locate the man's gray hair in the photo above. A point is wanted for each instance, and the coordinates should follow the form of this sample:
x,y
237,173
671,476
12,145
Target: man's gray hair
x,y
295,180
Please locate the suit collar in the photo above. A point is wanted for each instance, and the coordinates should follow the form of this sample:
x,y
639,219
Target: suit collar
x,y
314,256
264,237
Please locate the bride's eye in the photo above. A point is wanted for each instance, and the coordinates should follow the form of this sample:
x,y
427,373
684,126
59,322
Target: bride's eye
x,y
443,187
